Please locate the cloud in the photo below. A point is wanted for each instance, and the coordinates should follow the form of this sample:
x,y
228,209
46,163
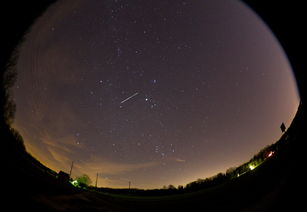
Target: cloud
x,y
57,152
179,160
111,174
66,143
53,151
58,157
103,166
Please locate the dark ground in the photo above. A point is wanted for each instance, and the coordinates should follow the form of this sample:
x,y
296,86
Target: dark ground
x,y
277,185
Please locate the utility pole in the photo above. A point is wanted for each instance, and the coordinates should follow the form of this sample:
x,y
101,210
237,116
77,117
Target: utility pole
x,y
129,184
72,165
96,179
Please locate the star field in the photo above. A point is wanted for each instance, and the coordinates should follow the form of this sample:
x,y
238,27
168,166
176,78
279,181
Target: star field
x,y
152,92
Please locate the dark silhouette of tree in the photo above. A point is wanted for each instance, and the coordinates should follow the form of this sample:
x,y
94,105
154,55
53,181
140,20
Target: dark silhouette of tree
x,y
171,187
231,172
84,181
18,145
9,79
283,127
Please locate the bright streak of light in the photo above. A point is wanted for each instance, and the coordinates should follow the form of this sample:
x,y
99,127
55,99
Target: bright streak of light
x,y
129,98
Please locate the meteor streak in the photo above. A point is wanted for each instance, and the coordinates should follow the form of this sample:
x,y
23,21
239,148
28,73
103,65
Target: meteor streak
x,y
129,98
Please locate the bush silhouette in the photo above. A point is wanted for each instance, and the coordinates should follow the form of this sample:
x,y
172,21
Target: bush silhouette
x,y
83,181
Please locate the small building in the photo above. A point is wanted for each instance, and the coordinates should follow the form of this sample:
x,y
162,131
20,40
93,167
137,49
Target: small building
x,y
63,177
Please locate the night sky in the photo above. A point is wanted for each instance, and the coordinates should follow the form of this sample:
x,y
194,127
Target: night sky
x,y
155,92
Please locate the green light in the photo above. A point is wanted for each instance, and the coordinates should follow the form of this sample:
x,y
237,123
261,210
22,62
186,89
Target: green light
x,y
251,167
75,183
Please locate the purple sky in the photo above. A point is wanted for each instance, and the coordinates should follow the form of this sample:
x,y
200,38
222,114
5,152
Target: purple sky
x,y
148,91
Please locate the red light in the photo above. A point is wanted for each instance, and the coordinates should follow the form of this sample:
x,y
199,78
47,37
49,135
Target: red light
x,y
270,154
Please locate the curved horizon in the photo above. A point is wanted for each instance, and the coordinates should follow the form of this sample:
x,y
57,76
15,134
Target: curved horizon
x,y
155,93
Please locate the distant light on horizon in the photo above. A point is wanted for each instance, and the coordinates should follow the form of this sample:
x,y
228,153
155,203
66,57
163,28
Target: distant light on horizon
x,y
252,167
271,154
